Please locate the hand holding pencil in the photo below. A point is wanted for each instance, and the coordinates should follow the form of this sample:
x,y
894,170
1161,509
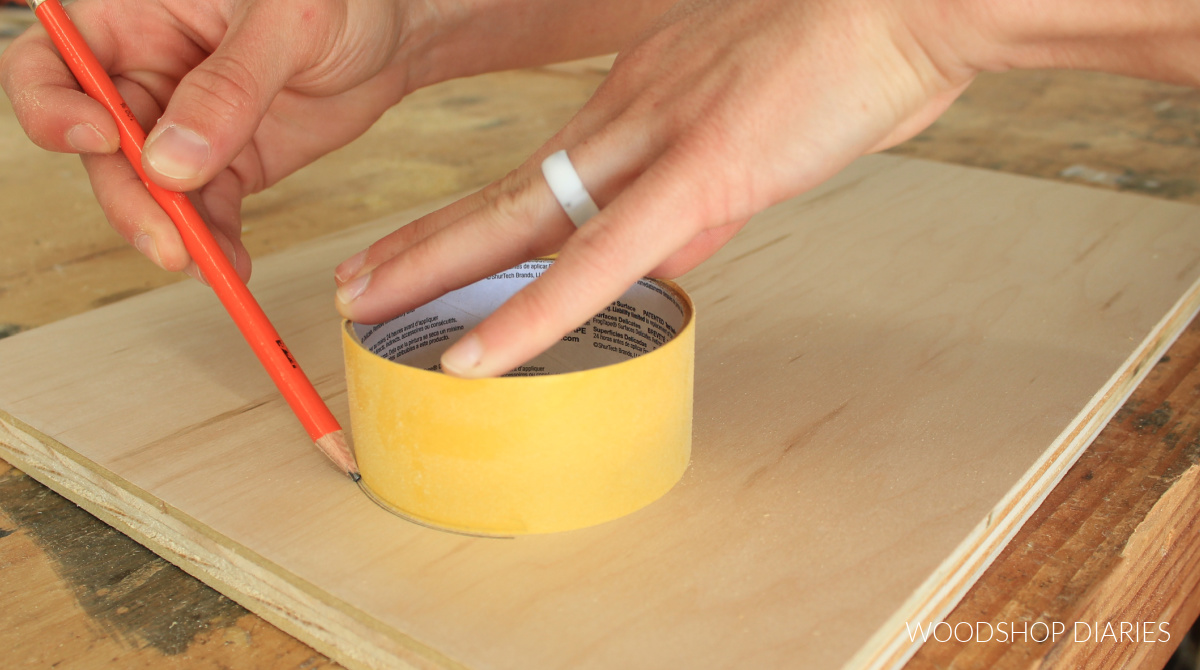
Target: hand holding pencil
x,y
235,96
214,266
715,110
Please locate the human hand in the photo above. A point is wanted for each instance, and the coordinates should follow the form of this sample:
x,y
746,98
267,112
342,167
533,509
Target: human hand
x,y
724,108
247,92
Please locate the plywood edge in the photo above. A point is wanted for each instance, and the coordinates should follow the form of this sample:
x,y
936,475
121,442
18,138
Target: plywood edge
x,y
892,646
213,559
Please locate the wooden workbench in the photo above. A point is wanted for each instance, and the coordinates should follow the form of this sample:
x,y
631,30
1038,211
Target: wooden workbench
x,y
1117,540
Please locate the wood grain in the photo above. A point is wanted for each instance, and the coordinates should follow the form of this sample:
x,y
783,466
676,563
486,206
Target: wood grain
x,y
60,258
1085,554
895,366
1130,135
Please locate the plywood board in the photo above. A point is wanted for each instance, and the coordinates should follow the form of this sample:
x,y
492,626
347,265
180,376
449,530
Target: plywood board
x,y
891,372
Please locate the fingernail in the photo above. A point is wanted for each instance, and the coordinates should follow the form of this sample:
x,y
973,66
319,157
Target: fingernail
x,y
348,293
177,152
227,247
86,138
194,272
145,244
350,267
462,358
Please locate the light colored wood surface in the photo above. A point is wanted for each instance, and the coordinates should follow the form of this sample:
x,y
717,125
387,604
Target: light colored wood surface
x,y
1115,542
60,258
1097,130
910,352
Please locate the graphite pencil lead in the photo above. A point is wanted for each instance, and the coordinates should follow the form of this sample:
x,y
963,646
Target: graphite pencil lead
x,y
335,447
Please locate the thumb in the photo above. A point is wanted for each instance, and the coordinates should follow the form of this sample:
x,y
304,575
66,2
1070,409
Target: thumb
x,y
216,108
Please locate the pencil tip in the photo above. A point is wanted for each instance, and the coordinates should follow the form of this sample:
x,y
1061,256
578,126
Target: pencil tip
x,y
334,446
356,477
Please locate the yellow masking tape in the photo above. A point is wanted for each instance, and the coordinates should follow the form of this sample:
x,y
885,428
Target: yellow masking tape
x,y
595,428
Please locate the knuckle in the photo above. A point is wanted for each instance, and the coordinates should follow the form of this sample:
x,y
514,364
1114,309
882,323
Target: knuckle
x,y
224,87
735,195
512,215
494,189
247,172
408,235
507,208
594,250
31,115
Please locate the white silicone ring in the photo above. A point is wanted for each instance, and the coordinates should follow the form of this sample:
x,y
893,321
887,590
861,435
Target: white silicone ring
x,y
568,188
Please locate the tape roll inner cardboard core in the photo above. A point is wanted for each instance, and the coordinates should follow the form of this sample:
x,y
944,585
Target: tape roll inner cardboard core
x,y
646,317
593,429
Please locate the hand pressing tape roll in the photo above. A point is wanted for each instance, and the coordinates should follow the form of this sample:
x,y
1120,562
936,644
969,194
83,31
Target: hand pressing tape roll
x,y
595,428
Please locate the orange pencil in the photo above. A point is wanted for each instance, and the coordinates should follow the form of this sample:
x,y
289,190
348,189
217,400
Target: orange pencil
x,y
216,268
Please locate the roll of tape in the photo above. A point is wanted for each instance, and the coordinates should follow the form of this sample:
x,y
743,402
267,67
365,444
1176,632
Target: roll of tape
x,y
595,428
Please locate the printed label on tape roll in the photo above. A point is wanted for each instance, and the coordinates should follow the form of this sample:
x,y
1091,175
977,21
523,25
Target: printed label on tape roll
x,y
644,318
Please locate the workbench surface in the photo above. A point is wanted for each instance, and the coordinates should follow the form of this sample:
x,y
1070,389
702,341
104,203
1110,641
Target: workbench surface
x,y
1118,539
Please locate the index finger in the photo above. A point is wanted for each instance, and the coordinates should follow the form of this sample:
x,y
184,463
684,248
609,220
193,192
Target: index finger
x,y
47,101
655,216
